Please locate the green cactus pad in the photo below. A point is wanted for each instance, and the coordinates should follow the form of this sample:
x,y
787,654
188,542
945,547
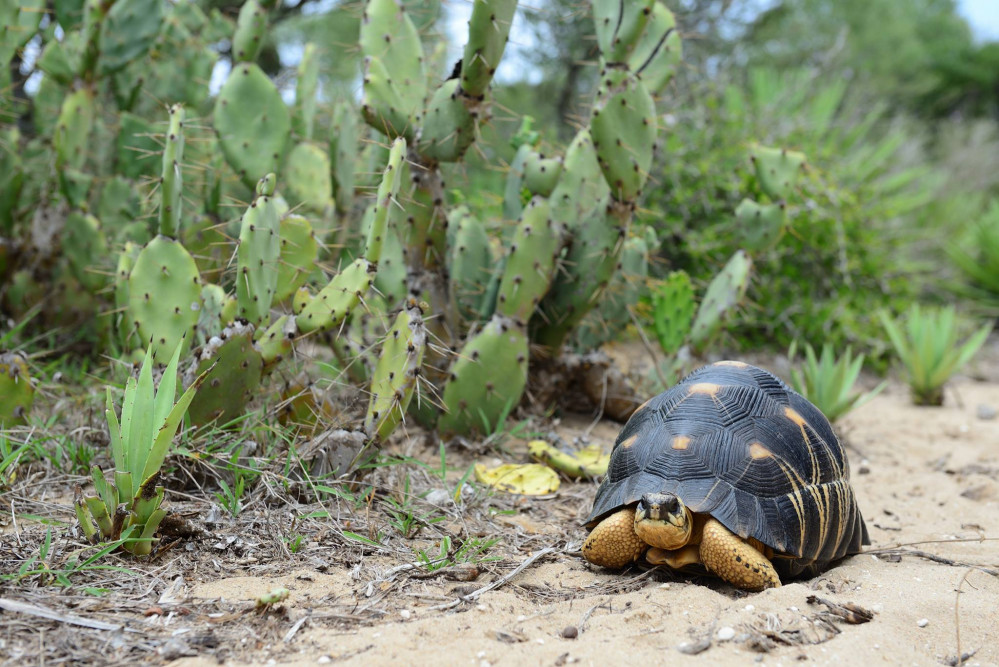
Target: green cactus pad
x,y
253,136
211,247
307,179
488,31
257,257
210,323
530,262
395,378
723,295
124,326
620,26
72,132
16,391
777,169
232,382
623,127
172,180
251,27
335,301
759,225
541,174
488,379
297,259
609,318
55,62
382,106
448,127
11,178
659,52
127,32
471,262
275,343
164,296
304,114
581,189
344,150
388,35
390,280
673,307
18,24
85,247
388,190
513,192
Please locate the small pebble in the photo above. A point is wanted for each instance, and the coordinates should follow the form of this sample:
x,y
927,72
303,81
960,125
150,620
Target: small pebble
x,y
405,613
521,618
324,659
750,607
923,622
726,633
480,655
570,632
666,586
985,412
439,498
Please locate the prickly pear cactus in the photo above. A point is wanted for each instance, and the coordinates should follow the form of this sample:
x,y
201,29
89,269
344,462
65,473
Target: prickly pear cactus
x,y
723,295
393,384
760,225
257,255
673,306
16,391
235,374
777,169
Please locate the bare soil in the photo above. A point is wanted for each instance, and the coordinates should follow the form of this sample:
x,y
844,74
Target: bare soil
x,y
925,592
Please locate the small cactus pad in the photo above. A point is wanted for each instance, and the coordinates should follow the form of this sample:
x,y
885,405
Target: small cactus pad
x,y
673,307
251,27
233,380
307,180
297,258
275,343
85,247
388,34
257,256
488,31
723,295
335,301
171,183
213,301
471,262
127,32
448,127
619,26
394,381
253,136
72,132
390,280
344,154
759,225
164,296
623,126
530,263
16,390
126,333
382,106
581,188
137,147
488,379
304,114
541,174
388,190
659,52
513,192
777,169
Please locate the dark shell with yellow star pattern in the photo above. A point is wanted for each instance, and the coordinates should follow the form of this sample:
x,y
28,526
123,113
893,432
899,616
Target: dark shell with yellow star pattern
x,y
733,441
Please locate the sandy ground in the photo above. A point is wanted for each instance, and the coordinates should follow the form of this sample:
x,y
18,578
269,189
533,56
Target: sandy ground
x,y
927,480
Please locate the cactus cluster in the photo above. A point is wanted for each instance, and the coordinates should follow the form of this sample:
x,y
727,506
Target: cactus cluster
x,y
433,309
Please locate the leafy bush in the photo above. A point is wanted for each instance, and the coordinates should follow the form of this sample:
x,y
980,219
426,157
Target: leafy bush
x,y
977,259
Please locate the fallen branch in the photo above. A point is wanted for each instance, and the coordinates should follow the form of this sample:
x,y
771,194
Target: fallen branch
x,y
474,595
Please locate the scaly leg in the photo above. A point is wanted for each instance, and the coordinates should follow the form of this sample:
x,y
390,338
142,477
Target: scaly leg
x,y
613,543
735,561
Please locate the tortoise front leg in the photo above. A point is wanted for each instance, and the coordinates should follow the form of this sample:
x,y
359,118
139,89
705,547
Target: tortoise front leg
x,y
735,561
613,542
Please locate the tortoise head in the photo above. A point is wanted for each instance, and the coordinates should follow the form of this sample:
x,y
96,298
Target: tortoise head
x,y
662,520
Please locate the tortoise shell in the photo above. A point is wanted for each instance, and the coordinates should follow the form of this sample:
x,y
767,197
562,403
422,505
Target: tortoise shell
x,y
733,441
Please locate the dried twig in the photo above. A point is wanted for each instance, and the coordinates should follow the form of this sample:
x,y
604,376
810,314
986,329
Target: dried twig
x,y
474,595
44,612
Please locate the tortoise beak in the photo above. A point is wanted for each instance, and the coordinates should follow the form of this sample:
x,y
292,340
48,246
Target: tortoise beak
x,y
658,507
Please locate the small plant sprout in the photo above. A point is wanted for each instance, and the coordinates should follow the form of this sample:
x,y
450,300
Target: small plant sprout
x,y
828,382
929,348
128,509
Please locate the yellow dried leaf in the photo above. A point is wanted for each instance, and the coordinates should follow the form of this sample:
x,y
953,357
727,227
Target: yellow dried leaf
x,y
589,461
529,479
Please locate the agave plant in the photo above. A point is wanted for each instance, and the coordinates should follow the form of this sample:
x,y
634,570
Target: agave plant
x,y
978,260
128,509
930,350
828,382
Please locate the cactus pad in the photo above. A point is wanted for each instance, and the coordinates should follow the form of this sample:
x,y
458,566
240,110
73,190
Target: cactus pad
x,y
449,127
488,31
127,32
657,55
673,311
777,169
257,256
297,258
488,379
623,126
231,384
251,27
307,181
85,247
394,381
164,296
471,262
16,391
390,38
530,263
334,302
759,225
541,173
253,136
619,26
723,295
304,114
344,154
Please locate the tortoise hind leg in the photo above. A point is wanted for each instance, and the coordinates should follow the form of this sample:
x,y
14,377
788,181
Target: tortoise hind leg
x,y
735,561
613,543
